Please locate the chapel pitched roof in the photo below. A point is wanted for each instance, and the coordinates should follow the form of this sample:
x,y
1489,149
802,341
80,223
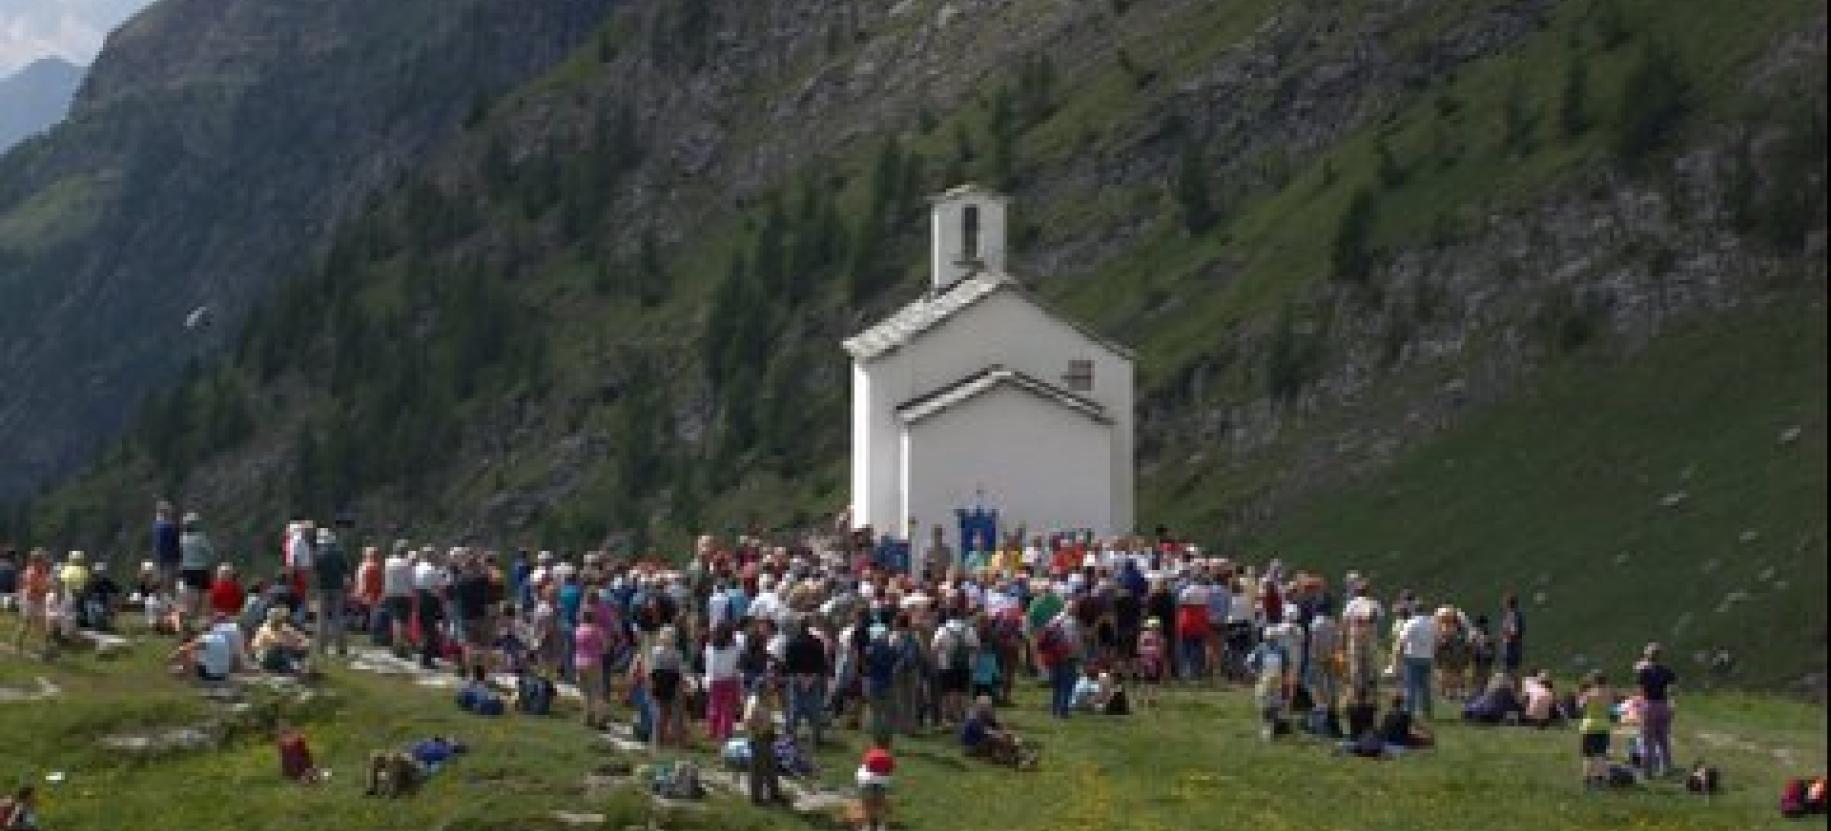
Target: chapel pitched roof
x,y
931,310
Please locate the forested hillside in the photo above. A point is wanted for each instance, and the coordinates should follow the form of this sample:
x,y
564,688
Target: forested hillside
x,y
1339,234
212,148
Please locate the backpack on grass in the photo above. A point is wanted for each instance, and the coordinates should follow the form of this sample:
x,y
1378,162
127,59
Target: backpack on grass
x,y
1703,779
1800,797
295,756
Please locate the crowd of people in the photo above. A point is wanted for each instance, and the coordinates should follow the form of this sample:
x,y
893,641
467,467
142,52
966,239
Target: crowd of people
x,y
817,633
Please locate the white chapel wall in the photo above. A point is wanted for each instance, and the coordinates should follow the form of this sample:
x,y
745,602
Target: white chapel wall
x,y
1041,464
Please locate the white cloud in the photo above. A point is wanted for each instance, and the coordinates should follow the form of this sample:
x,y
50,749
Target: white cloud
x,y
72,29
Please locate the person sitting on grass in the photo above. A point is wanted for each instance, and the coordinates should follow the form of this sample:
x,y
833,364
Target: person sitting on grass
x,y
1541,705
213,654
19,812
1396,732
1111,698
1086,694
99,599
983,736
476,696
1495,704
278,647
1400,732
874,778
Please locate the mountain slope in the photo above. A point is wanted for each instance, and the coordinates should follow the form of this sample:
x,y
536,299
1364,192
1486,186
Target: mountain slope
x,y
35,97
608,313
209,150
1675,496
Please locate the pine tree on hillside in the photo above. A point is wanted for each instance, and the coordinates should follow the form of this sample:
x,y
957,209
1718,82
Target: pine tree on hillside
x,y
1573,105
1351,254
1654,103
1192,190
1003,128
1519,120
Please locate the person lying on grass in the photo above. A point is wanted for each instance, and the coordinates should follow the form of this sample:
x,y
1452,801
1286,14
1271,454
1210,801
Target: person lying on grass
x,y
1495,704
983,736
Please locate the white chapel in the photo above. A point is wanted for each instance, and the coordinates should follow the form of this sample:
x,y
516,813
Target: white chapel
x,y
979,397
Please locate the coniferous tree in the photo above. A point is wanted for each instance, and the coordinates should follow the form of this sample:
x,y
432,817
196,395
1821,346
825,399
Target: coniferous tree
x,y
1519,122
1573,104
1351,255
1654,103
1192,190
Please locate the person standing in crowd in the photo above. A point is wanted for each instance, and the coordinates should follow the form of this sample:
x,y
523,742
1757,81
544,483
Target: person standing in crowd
x,y
397,596
1323,669
805,666
370,589
724,689
429,582
1595,702
1512,635
299,561
664,687
568,599
911,666
1271,662
760,728
1481,648
34,599
1043,609
470,595
167,553
9,578
1655,680
74,579
331,575
1192,629
1418,649
1361,622
588,642
1059,650
196,558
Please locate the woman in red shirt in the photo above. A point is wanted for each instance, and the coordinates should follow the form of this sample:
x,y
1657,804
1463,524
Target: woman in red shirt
x,y
226,595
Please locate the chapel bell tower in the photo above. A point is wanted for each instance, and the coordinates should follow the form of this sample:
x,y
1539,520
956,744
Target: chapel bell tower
x,y
969,235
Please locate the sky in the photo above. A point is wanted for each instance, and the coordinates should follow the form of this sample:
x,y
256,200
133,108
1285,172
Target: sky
x,y
71,29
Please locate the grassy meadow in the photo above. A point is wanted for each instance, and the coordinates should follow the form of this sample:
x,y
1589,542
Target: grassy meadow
x,y
1193,762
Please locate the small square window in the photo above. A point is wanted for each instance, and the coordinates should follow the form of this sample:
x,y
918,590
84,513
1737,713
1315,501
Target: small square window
x,y
1080,375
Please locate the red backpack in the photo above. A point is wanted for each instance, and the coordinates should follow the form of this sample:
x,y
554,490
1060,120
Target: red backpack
x,y
295,757
1793,798
1052,645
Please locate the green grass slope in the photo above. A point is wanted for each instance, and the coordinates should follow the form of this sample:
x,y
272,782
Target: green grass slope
x,y
1194,762
1561,495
